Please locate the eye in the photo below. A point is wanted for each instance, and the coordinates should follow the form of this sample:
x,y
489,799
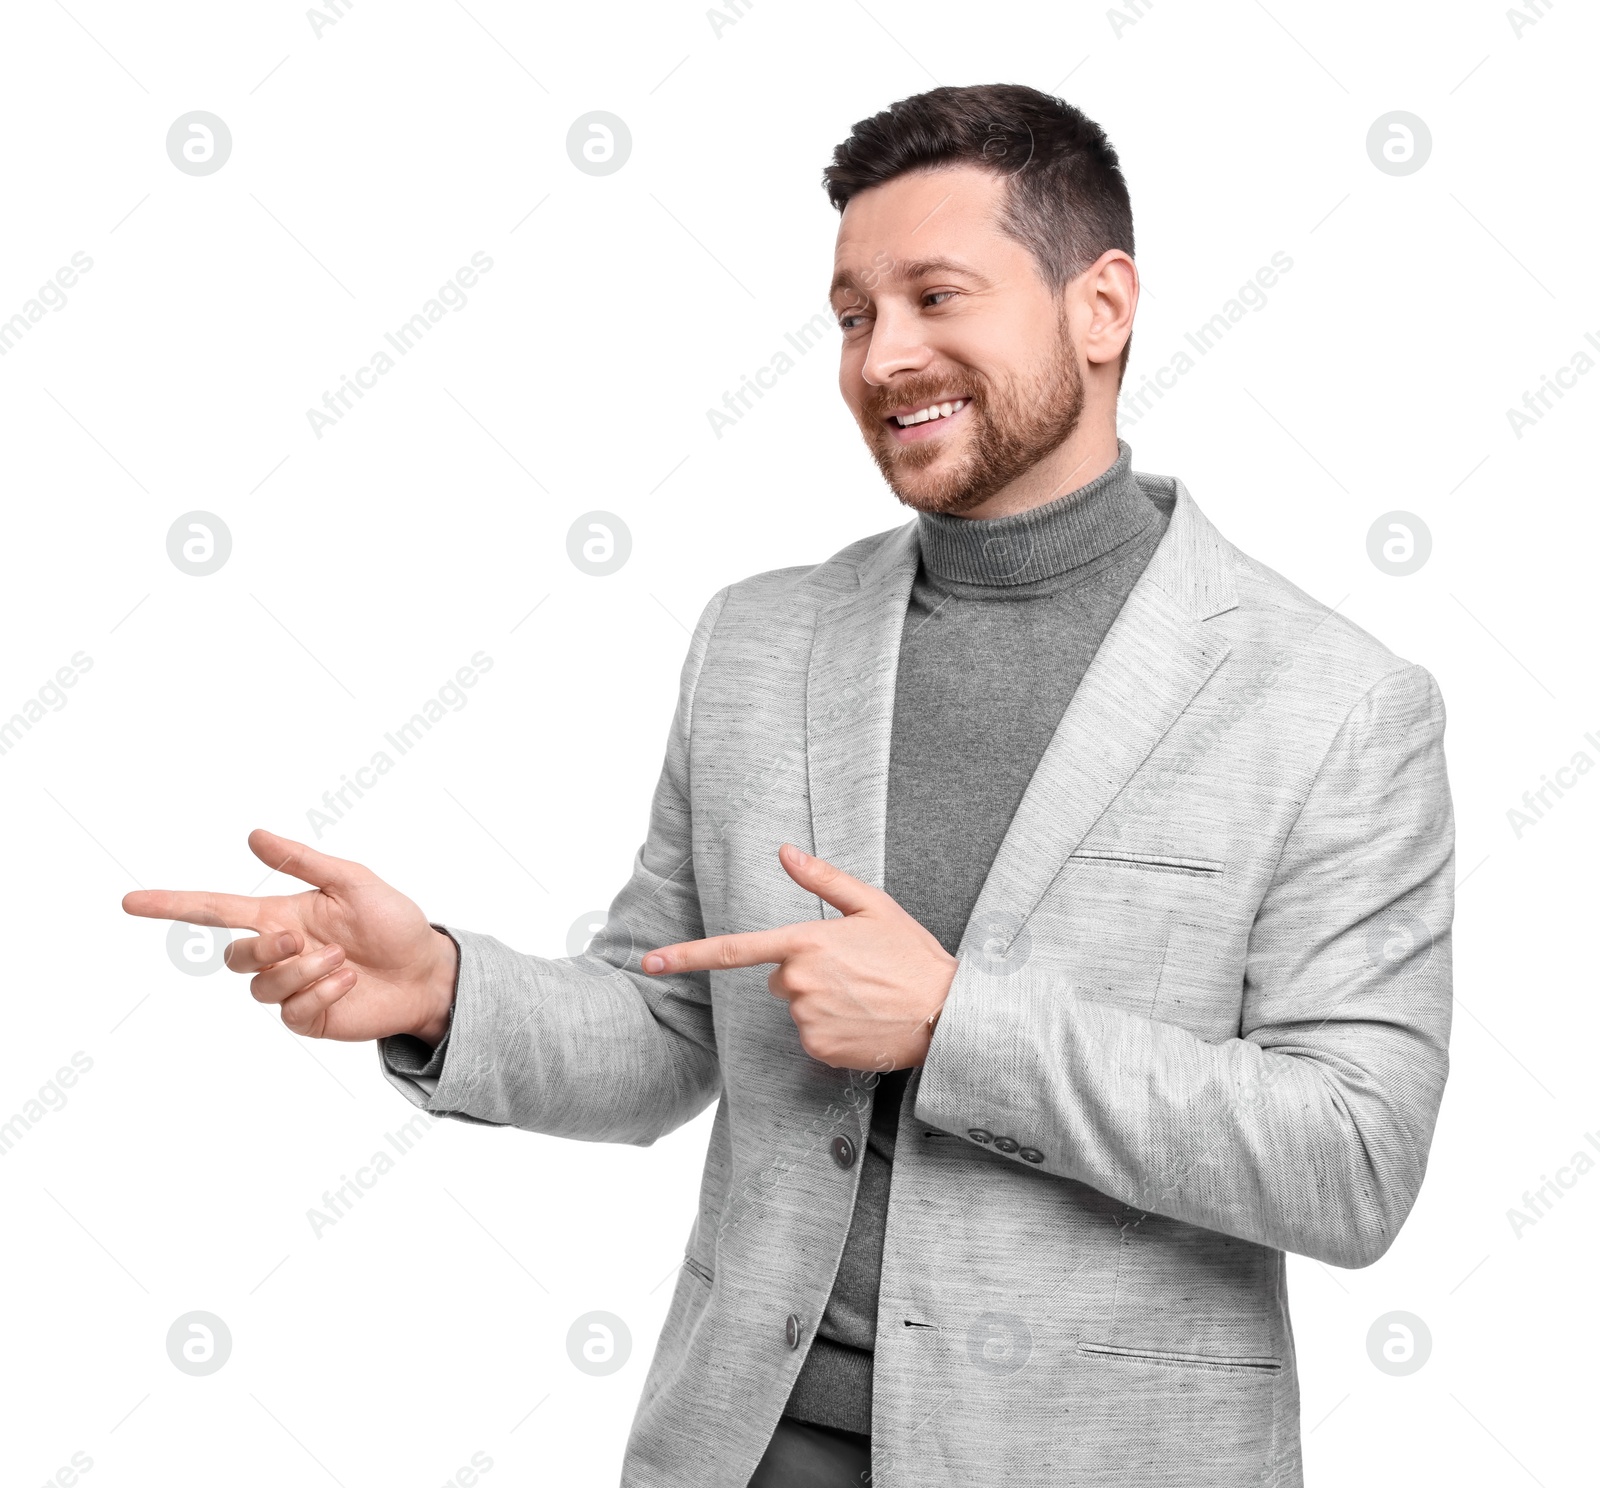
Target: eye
x,y
848,323
937,294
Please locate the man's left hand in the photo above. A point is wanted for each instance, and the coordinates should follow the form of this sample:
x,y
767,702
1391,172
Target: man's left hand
x,y
864,990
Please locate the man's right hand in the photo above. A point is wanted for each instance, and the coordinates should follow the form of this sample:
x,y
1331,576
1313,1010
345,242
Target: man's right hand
x,y
350,959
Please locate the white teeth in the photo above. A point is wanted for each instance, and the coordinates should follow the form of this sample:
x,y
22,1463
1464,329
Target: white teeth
x,y
932,411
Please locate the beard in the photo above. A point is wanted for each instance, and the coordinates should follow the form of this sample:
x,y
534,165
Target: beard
x,y
1013,425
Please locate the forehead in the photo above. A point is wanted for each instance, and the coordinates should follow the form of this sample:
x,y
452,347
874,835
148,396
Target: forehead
x,y
949,213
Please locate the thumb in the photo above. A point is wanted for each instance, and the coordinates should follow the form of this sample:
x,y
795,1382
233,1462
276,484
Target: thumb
x,y
833,885
285,855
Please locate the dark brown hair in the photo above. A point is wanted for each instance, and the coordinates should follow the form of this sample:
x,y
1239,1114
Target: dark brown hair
x,y
1066,200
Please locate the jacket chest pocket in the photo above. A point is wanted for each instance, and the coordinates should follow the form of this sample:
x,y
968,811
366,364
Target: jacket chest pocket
x,y
1147,932
1150,862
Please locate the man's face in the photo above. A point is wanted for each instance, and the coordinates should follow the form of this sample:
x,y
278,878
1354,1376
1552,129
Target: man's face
x,y
940,307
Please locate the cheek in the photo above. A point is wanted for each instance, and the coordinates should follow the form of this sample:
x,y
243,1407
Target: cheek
x,y
999,350
852,385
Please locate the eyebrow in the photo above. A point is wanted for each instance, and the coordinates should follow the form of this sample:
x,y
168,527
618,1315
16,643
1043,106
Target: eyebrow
x,y
911,268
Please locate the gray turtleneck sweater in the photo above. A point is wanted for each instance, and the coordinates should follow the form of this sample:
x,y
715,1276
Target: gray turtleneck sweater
x,y
1004,617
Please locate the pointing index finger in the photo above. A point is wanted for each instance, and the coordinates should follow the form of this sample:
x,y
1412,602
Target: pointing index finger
x,y
195,907
725,952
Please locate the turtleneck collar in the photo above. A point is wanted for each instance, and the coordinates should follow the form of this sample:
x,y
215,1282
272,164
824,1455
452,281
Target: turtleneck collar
x,y
1043,541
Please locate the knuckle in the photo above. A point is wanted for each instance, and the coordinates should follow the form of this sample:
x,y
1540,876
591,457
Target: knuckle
x,y
315,993
817,1043
330,988
825,1050
333,986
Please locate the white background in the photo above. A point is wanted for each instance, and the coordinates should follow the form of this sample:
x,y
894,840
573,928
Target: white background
x,y
368,164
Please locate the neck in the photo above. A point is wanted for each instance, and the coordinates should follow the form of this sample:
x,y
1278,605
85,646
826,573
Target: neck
x,y
1027,549
1086,454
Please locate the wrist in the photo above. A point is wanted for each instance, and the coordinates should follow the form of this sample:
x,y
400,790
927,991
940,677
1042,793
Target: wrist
x,y
440,991
930,1024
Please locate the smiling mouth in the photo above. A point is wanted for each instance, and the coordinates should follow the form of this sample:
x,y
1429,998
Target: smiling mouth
x,y
916,425
928,413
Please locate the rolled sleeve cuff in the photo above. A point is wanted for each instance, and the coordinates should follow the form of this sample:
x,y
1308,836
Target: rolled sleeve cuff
x,y
429,1078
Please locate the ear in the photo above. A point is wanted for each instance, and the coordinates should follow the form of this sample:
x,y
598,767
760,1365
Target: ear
x,y
1108,293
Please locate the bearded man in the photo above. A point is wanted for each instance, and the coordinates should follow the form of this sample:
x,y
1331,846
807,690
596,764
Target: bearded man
x,y
1097,957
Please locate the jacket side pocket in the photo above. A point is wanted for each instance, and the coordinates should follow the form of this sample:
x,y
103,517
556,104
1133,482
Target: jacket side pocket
x,y
1184,1361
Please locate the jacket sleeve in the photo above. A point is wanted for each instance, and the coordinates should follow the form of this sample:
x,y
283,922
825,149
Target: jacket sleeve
x,y
1310,1131
587,1046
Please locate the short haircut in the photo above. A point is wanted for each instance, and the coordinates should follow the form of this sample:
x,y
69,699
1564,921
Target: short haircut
x,y
1066,199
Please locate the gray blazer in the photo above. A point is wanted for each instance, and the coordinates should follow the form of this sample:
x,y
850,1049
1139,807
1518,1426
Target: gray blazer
x,y
1200,1019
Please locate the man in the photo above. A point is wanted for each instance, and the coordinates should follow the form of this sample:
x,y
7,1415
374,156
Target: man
x,y
1120,938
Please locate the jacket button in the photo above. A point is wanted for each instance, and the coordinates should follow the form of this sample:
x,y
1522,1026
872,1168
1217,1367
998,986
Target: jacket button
x,y
791,1330
1005,1144
978,1134
1030,1154
844,1151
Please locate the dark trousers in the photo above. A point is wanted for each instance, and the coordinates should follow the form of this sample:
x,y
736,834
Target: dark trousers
x,y
804,1455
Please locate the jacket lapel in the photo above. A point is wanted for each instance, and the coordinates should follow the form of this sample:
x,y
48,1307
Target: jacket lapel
x,y
850,709
855,654
1154,660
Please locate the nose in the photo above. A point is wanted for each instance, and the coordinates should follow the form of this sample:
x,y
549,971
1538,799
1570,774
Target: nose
x,y
897,346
